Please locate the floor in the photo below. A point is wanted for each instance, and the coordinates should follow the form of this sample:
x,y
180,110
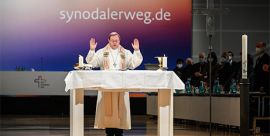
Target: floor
x,y
141,126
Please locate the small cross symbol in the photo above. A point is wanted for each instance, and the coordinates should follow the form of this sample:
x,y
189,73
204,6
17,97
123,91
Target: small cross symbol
x,y
40,81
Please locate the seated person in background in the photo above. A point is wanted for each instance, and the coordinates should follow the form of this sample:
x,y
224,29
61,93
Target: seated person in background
x,y
214,68
261,76
261,83
221,74
228,71
187,70
179,68
224,58
199,70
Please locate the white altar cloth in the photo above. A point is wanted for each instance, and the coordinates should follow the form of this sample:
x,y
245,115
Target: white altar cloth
x,y
133,79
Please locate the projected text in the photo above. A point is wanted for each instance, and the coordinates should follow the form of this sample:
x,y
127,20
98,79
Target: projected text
x,y
146,17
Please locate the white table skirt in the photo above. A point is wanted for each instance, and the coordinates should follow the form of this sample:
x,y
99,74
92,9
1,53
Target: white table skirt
x,y
136,80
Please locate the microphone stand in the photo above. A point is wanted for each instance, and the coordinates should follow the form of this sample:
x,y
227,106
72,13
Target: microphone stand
x,y
210,83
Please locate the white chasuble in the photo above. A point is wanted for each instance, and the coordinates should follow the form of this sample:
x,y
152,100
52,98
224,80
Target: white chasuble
x,y
113,106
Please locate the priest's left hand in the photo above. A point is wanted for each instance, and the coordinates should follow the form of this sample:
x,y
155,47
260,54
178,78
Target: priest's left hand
x,y
135,44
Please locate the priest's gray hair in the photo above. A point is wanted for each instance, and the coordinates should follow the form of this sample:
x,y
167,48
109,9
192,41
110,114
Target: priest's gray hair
x,y
113,34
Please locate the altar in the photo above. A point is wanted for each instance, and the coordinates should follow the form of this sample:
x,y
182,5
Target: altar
x,y
163,82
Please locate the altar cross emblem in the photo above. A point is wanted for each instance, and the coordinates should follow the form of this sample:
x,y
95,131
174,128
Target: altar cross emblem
x,y
41,82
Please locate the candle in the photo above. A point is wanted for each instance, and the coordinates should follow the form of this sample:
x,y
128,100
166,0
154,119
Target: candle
x,y
164,60
80,61
244,56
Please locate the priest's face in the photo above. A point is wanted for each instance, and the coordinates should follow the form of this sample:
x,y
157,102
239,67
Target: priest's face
x,y
114,41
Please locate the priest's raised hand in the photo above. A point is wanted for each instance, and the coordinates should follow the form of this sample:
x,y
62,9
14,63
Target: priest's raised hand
x,y
93,44
135,44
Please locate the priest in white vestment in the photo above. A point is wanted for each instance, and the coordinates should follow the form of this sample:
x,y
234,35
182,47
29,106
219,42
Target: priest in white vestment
x,y
113,108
